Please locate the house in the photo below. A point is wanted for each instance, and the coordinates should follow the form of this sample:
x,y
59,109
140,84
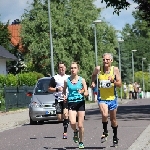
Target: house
x,y
14,30
4,56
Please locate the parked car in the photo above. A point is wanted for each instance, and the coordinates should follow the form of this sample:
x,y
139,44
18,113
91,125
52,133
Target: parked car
x,y
42,105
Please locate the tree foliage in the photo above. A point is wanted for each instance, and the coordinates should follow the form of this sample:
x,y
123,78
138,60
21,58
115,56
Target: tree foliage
x,y
72,32
136,37
143,7
4,35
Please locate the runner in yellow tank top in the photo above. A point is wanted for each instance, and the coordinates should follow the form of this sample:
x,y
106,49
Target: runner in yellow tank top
x,y
106,87
109,79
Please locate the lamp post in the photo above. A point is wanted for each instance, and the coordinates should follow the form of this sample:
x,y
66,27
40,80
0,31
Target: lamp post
x,y
133,63
149,71
51,43
96,61
120,40
143,78
96,22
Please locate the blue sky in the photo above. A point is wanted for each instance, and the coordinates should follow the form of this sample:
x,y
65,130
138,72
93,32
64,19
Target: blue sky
x,y
13,9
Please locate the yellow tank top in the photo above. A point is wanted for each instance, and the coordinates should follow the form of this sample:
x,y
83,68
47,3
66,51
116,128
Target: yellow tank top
x,y
130,87
106,88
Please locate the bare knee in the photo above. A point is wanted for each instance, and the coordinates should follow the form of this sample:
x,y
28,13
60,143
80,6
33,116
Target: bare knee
x,y
60,117
104,111
72,122
80,125
65,116
113,121
104,115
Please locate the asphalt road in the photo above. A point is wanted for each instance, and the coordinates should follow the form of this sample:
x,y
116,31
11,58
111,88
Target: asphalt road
x,y
133,118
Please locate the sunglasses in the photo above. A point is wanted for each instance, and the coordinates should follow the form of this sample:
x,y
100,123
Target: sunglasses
x,y
106,59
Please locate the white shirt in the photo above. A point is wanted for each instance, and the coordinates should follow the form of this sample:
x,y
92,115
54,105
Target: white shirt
x,y
60,83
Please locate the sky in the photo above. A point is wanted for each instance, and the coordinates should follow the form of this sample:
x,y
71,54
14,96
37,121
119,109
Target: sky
x,y
13,9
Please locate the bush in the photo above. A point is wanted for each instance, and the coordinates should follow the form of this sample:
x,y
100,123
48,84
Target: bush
x,y
139,78
2,80
28,79
11,80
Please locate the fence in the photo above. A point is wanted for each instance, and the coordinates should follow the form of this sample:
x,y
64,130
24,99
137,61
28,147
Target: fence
x,y
15,97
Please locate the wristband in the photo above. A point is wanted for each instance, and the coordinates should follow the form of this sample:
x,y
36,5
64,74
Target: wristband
x,y
56,89
113,81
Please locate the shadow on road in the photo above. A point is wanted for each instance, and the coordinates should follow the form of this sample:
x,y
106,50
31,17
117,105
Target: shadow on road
x,y
78,148
137,112
42,123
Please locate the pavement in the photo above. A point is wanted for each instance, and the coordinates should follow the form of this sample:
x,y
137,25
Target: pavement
x,y
12,119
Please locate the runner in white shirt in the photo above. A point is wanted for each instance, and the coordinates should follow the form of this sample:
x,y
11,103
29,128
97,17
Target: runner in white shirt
x,y
56,86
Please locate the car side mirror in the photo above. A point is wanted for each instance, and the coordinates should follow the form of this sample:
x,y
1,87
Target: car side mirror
x,y
29,94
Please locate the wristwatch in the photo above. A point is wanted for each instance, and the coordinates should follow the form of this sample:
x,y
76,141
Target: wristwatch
x,y
56,89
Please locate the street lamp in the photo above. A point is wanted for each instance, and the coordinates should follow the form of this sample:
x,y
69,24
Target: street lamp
x,y
96,62
133,63
96,22
51,43
149,72
120,40
143,78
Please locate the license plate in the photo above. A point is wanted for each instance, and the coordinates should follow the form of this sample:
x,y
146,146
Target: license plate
x,y
51,112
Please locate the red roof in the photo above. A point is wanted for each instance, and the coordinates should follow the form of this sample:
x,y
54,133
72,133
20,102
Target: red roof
x,y
15,36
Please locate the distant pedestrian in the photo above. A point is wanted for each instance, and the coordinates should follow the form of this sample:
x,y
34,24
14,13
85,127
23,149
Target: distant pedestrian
x,y
125,90
135,90
131,90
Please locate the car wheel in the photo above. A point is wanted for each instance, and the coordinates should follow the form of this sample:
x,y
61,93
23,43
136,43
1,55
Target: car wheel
x,y
32,122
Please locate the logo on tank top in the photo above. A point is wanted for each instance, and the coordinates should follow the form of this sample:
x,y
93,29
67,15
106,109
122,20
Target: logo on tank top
x,y
105,84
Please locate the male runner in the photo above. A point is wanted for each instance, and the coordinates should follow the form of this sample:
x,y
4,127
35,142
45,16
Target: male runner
x,y
56,86
109,78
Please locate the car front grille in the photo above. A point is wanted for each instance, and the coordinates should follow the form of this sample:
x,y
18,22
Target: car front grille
x,y
48,105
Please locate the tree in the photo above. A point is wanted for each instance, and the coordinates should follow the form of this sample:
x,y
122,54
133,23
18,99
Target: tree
x,y
143,7
4,35
136,37
73,37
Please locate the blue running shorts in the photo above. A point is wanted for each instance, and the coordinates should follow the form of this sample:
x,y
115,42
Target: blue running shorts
x,y
112,104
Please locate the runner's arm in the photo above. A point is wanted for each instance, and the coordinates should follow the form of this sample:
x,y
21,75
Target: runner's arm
x,y
52,85
94,74
85,91
117,81
65,87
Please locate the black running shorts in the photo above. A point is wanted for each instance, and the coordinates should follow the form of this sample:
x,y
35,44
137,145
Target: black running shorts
x,y
77,106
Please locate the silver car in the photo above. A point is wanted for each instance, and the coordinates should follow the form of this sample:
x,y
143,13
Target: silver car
x,y
42,105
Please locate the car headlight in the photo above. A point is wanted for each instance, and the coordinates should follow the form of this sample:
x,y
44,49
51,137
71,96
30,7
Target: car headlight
x,y
35,104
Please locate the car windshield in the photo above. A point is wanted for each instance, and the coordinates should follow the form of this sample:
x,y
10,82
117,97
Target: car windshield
x,y
42,86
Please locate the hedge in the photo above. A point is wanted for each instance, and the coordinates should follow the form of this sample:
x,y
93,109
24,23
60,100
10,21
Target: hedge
x,y
28,79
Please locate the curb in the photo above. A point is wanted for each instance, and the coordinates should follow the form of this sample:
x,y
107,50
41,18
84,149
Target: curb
x,y
14,124
143,141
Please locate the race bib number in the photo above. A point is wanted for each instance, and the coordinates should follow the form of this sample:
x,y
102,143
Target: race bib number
x,y
105,84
